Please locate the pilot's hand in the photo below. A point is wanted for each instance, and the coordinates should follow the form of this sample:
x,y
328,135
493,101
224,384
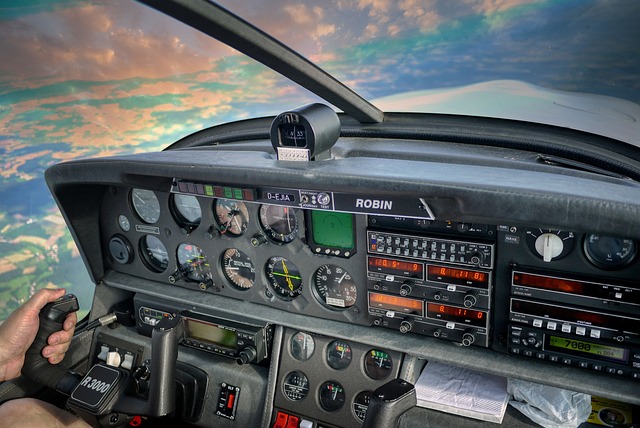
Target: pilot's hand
x,y
18,332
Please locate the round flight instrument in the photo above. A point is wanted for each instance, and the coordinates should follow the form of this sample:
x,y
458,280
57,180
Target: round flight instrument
x,y
146,205
332,396
232,216
295,386
186,210
284,278
154,254
302,346
279,223
339,354
238,269
377,364
335,287
609,252
193,264
361,403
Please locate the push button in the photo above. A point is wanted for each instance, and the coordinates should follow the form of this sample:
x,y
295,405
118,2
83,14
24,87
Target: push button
x,y
293,422
281,420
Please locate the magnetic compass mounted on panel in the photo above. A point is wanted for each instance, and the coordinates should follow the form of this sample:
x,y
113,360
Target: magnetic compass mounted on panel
x,y
306,133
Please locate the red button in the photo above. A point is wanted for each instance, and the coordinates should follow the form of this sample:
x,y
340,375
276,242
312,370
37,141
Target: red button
x,y
281,420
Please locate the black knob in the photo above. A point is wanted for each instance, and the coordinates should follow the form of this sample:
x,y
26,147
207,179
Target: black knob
x,y
470,299
406,325
468,338
405,288
437,332
476,258
247,355
258,239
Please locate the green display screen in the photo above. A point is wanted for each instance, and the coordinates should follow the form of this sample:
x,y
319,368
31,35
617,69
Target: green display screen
x,y
588,349
203,331
332,229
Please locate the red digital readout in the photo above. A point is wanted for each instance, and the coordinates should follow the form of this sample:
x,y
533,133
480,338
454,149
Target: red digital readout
x,y
548,283
395,303
396,267
453,313
457,276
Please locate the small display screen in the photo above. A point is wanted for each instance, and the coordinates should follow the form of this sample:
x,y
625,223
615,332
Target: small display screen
x,y
587,349
471,278
548,283
202,331
456,314
587,318
396,267
395,303
333,229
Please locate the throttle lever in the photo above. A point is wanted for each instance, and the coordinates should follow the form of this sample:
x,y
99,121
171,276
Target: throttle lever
x,y
38,368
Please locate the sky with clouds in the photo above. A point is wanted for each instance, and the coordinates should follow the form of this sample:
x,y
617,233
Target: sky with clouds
x,y
114,76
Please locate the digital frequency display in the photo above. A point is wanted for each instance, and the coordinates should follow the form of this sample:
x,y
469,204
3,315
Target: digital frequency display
x,y
396,267
211,333
395,303
454,313
472,278
574,315
587,349
333,229
548,283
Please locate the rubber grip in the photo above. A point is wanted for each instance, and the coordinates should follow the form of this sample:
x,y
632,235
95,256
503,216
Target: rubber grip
x,y
52,316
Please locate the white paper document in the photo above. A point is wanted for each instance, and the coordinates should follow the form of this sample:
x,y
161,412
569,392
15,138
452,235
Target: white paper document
x,y
463,392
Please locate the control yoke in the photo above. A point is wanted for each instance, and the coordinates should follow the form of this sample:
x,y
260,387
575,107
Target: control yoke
x,y
105,390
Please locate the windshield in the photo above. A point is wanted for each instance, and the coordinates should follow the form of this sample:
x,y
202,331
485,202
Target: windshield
x,y
95,78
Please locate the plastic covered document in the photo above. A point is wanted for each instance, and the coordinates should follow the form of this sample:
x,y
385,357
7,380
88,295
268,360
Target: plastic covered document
x,y
463,392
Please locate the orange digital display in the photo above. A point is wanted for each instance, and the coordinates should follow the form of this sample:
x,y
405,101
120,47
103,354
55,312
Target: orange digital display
x,y
548,283
395,303
396,267
456,314
471,278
